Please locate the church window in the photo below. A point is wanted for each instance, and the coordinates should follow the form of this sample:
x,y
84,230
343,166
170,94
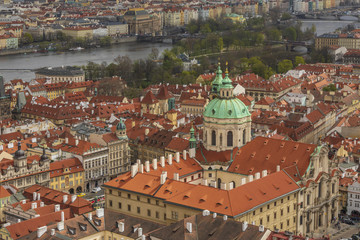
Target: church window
x,y
213,138
213,111
244,136
230,139
230,112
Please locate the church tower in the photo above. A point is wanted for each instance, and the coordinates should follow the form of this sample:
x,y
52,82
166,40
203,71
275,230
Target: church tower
x,y
227,121
121,130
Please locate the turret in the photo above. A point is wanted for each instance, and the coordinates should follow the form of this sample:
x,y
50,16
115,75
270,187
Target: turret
x,y
192,138
216,84
226,89
121,130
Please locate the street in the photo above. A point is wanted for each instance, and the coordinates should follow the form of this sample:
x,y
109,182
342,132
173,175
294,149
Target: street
x,y
346,231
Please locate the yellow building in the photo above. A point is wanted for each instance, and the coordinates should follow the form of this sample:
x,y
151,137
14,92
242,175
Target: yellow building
x,y
79,32
54,90
4,199
236,18
154,195
67,175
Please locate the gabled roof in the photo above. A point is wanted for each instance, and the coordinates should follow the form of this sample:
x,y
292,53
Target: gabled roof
x,y
149,98
163,94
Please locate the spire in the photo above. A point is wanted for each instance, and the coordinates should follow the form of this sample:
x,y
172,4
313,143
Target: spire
x,y
217,81
227,83
43,156
192,138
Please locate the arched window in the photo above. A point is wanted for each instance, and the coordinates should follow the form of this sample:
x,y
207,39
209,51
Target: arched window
x,y
220,139
244,137
213,138
229,139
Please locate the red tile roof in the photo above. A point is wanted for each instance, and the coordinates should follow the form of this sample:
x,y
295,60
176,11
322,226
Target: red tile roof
x,y
149,98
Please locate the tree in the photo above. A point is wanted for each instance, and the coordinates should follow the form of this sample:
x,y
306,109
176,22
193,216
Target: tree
x,y
273,34
285,16
124,68
105,41
27,38
299,60
274,14
329,88
220,44
154,55
205,29
285,65
290,34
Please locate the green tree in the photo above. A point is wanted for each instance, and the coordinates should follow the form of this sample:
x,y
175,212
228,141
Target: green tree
x,y
205,29
285,16
105,41
290,34
220,44
27,38
298,60
273,34
285,65
329,88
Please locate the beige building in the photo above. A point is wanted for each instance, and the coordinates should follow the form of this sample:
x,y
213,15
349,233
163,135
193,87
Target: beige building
x,y
119,152
79,32
141,22
61,74
117,29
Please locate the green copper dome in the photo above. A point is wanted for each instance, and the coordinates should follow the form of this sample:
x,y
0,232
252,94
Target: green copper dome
x,y
226,108
216,84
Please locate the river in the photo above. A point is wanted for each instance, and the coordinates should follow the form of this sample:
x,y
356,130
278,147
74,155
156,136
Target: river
x,y
134,50
325,26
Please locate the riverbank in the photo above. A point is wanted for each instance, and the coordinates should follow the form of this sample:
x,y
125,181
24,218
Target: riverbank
x,y
31,50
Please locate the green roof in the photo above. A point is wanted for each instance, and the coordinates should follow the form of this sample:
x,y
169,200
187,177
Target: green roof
x,y
226,109
217,81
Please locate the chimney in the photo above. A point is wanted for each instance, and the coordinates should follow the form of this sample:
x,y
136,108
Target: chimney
x,y
147,131
192,152
176,176
52,232
223,186
90,216
134,169
41,231
170,159
65,198
42,204
244,226
225,217
184,154
257,176
204,182
73,198
34,196
23,201
250,178
66,140
57,207
206,213
261,228
177,157
138,162
62,216
140,232
100,212
60,226
121,226
141,168
264,173
154,164
162,161
33,205
189,227
214,215
147,166
278,168
38,196
163,177
243,181
76,142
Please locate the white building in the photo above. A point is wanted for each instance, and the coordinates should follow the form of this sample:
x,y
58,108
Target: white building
x,y
353,203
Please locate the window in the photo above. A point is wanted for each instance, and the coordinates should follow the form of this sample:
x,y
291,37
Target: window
x,y
129,196
274,204
281,225
268,218
254,212
301,220
110,191
260,221
281,212
308,199
319,193
149,213
230,139
138,210
274,215
138,198
268,206
119,193
210,174
129,207
333,187
157,215
288,222
288,209
148,200
110,203
260,209
119,205
157,202
213,138
174,215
